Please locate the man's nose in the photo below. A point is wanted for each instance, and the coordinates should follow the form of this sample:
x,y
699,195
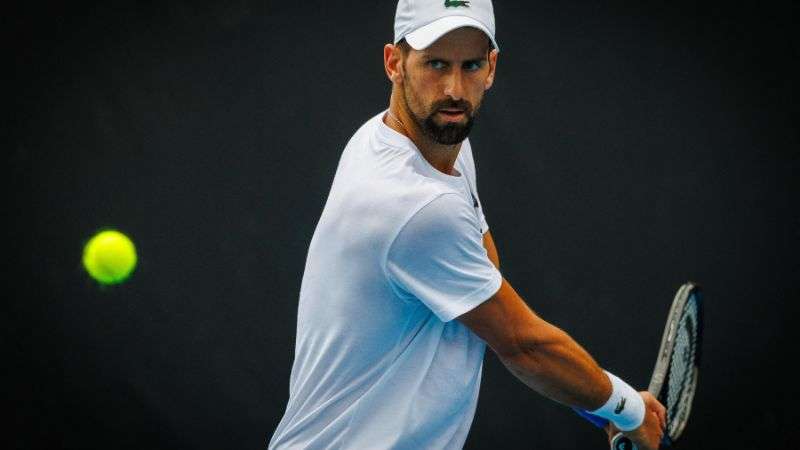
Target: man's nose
x,y
454,85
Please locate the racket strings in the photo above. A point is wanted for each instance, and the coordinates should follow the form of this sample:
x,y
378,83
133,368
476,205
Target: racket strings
x,y
681,373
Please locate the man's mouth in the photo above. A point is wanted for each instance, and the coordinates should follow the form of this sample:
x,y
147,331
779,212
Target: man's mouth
x,y
452,113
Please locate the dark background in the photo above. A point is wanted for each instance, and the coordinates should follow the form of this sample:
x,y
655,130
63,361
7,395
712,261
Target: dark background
x,y
624,149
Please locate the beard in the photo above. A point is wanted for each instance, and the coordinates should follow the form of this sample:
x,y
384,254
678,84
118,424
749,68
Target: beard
x,y
450,133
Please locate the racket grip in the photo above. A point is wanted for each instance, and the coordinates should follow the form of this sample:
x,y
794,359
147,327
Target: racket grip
x,y
618,442
621,442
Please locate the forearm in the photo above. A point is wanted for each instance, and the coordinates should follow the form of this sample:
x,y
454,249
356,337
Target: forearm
x,y
554,365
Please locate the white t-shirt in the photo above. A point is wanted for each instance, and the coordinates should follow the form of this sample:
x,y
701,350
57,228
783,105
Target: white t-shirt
x,y
397,254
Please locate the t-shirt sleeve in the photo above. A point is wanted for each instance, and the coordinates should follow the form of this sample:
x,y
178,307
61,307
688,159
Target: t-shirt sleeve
x,y
438,257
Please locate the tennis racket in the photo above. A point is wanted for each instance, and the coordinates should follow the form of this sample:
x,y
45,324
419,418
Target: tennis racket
x,y
675,375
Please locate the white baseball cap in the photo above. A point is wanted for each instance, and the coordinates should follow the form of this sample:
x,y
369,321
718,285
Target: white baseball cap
x,y
422,22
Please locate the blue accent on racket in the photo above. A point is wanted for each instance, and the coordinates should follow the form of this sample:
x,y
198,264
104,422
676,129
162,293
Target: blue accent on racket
x,y
598,421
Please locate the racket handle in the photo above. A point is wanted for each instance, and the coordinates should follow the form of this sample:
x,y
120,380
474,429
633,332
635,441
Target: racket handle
x,y
620,442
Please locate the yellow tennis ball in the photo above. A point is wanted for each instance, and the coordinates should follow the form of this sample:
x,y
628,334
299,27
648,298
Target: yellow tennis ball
x,y
109,257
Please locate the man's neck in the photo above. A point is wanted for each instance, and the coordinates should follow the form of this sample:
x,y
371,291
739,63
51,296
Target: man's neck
x,y
441,157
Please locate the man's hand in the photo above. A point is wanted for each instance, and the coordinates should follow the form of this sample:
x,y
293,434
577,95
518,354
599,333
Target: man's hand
x,y
648,435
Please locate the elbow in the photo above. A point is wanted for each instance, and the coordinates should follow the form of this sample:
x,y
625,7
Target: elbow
x,y
524,362
533,350
523,351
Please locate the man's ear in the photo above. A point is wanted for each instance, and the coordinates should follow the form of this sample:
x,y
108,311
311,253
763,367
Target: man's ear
x,y
392,62
492,68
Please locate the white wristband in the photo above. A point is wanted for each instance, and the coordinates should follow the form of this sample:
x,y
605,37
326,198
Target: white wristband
x,y
625,407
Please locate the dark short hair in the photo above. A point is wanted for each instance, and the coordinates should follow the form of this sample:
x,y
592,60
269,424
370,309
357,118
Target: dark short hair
x,y
405,47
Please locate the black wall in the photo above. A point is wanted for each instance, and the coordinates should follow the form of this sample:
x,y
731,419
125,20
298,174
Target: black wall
x,y
624,149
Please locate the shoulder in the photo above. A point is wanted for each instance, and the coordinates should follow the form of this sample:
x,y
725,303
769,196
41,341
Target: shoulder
x,y
443,217
447,206
363,135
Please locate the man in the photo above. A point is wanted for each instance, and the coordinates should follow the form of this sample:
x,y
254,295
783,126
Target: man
x,y
401,291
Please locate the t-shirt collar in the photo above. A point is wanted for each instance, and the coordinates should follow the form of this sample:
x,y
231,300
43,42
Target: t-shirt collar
x,y
396,139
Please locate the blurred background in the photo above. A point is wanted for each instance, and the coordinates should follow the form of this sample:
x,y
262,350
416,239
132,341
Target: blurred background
x,y
624,148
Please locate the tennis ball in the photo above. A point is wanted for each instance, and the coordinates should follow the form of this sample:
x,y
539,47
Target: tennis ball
x,y
109,257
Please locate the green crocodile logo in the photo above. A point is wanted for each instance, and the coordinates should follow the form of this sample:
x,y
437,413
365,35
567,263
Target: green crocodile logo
x,y
449,3
620,406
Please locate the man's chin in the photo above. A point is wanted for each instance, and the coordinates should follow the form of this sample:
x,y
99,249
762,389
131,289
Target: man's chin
x,y
450,135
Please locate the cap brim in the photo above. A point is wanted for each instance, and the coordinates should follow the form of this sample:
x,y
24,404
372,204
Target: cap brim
x,y
423,37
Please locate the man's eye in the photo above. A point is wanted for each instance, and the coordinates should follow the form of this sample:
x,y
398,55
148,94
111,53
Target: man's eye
x,y
436,64
472,65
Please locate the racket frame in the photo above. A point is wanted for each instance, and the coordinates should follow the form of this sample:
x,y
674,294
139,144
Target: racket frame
x,y
667,346
621,442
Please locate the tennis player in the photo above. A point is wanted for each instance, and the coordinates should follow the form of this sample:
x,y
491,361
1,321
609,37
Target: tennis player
x,y
402,291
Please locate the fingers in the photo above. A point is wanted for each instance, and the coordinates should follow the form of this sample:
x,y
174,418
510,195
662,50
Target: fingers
x,y
661,411
656,406
660,430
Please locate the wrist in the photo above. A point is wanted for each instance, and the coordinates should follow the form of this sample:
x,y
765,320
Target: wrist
x,y
624,408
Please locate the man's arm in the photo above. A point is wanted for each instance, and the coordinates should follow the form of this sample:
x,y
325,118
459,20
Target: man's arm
x,y
488,243
538,353
548,360
541,355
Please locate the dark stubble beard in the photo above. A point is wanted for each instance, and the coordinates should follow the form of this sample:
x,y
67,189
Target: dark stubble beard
x,y
450,133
